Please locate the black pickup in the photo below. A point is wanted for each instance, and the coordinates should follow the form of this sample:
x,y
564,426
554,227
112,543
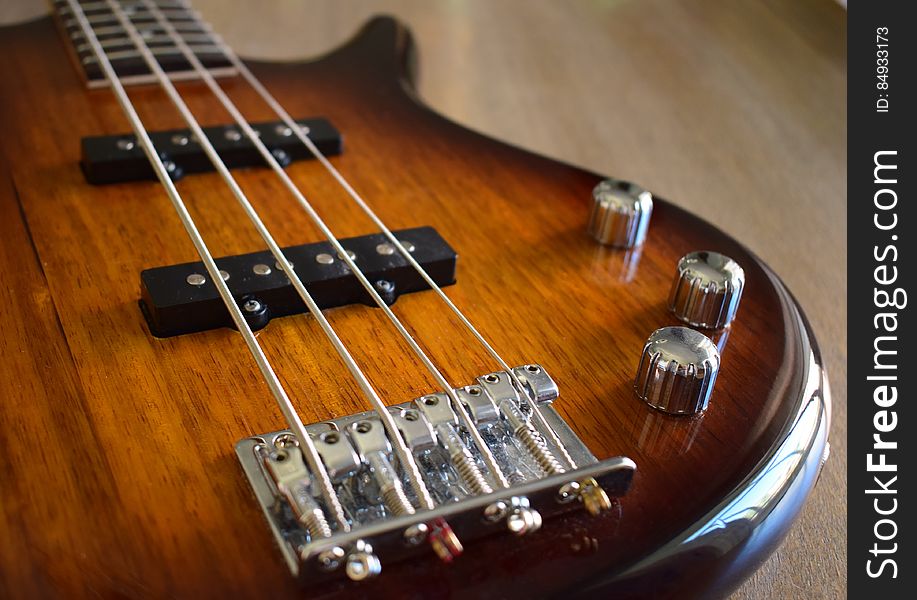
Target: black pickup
x,y
119,158
179,299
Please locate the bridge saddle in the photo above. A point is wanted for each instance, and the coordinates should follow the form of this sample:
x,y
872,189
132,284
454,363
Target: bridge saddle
x,y
385,523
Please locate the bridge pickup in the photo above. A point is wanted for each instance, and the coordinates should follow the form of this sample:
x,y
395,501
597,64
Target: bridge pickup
x,y
179,299
119,158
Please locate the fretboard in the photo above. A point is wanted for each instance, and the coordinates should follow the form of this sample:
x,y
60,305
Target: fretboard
x,y
127,61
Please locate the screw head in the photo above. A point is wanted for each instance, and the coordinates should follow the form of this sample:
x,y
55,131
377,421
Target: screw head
x,y
180,139
385,249
281,156
385,286
282,130
233,135
409,246
324,259
362,565
595,499
125,144
568,492
331,559
524,521
251,306
416,534
495,511
261,269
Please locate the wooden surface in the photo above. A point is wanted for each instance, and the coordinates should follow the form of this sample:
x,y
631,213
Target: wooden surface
x,y
736,110
698,105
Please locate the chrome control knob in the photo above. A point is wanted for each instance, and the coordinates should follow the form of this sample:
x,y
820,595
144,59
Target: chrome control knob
x,y
677,371
620,213
707,290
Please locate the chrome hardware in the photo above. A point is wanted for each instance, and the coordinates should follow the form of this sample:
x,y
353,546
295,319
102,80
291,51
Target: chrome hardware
x,y
332,558
416,534
196,279
479,405
362,563
501,390
538,382
677,371
338,454
707,290
527,434
620,213
593,496
418,434
436,409
369,437
286,468
251,306
370,483
522,519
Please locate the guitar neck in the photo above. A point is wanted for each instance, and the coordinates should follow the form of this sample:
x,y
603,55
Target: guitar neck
x,y
121,51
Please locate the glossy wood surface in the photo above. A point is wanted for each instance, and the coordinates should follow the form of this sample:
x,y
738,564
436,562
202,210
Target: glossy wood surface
x,y
121,471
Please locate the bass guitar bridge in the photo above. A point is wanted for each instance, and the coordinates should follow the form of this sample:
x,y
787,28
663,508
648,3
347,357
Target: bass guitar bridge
x,y
373,488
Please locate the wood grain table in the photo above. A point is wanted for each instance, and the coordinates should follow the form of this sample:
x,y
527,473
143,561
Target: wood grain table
x,y
734,109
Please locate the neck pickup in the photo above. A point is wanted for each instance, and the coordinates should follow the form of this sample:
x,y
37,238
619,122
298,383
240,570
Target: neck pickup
x,y
120,159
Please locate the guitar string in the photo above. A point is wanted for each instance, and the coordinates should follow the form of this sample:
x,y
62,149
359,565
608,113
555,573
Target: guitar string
x,y
273,382
388,422
272,102
457,405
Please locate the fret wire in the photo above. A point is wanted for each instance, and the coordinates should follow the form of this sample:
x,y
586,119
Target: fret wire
x,y
127,54
357,198
115,42
460,409
173,76
101,5
276,387
401,449
198,27
105,19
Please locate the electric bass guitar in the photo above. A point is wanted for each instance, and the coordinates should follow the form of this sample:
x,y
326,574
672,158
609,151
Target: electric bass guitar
x,y
280,330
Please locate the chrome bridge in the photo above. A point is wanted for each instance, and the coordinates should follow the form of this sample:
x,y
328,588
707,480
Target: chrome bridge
x,y
378,502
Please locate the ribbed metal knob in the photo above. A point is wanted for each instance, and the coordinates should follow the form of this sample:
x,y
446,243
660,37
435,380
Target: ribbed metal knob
x,y
620,213
677,371
707,290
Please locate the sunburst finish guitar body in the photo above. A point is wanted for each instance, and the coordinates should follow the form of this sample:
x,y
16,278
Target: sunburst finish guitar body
x,y
121,473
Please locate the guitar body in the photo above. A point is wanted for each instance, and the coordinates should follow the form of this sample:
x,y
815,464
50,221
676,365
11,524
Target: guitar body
x,y
118,474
